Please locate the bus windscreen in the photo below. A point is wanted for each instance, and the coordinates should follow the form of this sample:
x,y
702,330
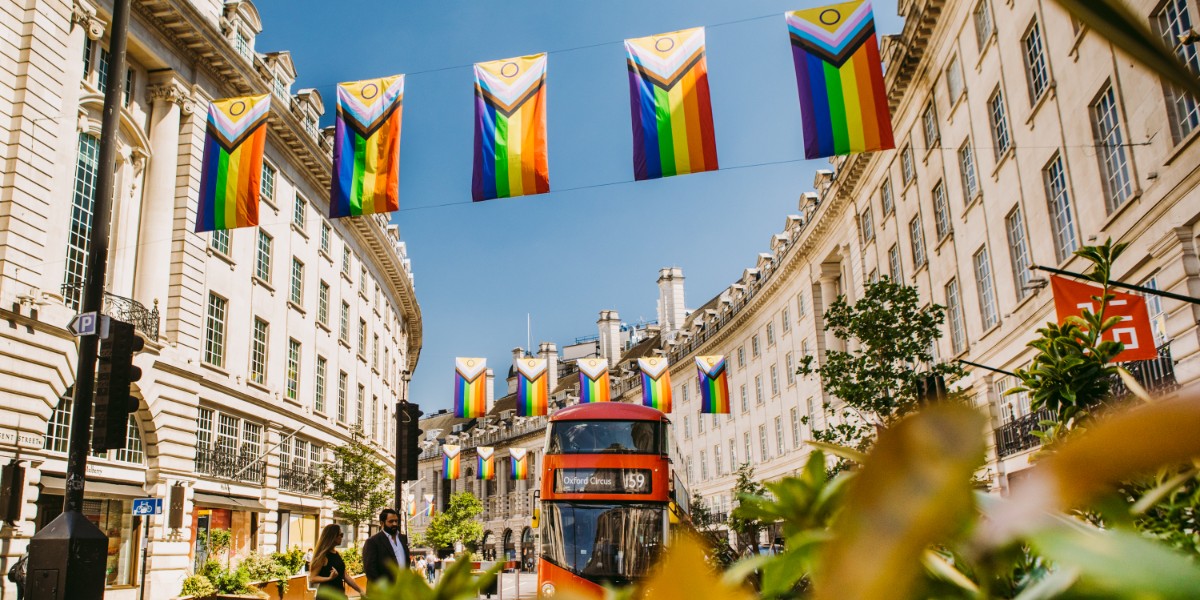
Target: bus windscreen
x,y
607,437
616,543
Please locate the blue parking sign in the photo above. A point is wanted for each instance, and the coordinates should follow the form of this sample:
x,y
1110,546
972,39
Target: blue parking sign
x,y
144,507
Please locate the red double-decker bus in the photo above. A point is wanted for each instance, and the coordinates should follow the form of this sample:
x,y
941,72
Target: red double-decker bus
x,y
606,497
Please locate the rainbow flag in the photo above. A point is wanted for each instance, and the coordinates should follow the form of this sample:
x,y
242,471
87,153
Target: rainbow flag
x,y
843,101
233,156
412,506
714,384
519,457
428,505
670,104
533,387
366,148
451,463
470,387
510,128
656,383
487,463
593,380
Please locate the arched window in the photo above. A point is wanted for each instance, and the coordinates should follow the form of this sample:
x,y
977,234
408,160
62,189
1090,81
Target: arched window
x,y
83,203
58,434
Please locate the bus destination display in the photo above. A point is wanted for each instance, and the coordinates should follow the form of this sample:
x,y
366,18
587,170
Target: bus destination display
x,y
602,481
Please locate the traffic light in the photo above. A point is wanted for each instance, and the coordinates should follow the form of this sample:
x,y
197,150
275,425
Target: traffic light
x,y
114,374
408,441
931,389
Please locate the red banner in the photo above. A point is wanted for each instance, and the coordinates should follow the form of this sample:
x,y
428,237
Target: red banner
x,y
1071,297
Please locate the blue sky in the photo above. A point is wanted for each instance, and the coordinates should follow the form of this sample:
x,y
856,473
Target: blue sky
x,y
597,240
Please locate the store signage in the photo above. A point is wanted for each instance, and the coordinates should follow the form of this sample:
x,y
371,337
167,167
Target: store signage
x,y
602,481
21,439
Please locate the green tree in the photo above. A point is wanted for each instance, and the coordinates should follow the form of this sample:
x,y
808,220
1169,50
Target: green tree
x,y
707,526
456,524
746,526
359,481
888,335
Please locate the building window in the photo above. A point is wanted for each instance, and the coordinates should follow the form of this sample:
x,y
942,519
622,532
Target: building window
x,y
733,463
987,291
998,117
790,367
795,413
1061,214
941,212
770,334
745,399
918,242
325,231
764,451
58,430
1114,164
241,44
885,197
703,466
362,279
754,346
954,80
319,385
684,392
748,447
687,427
1174,20
362,338
1154,307
310,126
741,355
984,28
1018,251
804,349
280,89
779,447
954,315
343,381
258,352
83,204
1012,406
323,304
300,212
267,185
102,71
293,370
297,295
214,331
758,390
929,124
700,423
801,304
774,380
894,270
344,329
346,261
786,319
907,170
718,468
262,262
375,351
966,167
1035,63
360,407
868,227
219,241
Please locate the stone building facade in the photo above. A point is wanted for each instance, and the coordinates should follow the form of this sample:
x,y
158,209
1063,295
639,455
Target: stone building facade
x,y
265,347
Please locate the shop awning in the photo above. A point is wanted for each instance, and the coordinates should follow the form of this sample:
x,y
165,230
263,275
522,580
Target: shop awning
x,y
207,500
95,489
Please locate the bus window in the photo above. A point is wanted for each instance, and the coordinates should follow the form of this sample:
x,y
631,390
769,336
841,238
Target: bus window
x,y
602,542
603,437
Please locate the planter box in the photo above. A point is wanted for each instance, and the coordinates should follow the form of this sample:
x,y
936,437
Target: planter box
x,y
297,588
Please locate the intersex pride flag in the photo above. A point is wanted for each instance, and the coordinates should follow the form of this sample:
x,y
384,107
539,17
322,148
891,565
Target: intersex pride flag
x,y
487,463
1134,331
451,461
593,380
656,383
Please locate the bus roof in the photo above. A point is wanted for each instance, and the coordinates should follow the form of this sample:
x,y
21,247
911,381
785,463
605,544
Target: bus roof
x,y
608,411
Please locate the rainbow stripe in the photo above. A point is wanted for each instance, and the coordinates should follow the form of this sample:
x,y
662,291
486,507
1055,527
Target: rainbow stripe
x,y
428,505
451,461
234,139
366,150
412,506
487,463
843,100
519,458
510,128
656,383
470,387
670,103
533,387
714,384
593,380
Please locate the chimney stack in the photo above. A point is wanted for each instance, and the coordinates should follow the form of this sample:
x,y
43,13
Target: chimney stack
x,y
518,353
671,309
610,336
549,351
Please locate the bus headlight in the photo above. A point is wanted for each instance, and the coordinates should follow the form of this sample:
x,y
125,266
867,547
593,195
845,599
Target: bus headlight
x,y
547,589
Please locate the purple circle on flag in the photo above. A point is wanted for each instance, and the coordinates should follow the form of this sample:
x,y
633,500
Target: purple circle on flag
x,y
237,108
837,16
505,71
370,91
658,44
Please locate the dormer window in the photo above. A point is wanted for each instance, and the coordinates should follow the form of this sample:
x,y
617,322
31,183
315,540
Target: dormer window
x,y
310,125
242,44
280,88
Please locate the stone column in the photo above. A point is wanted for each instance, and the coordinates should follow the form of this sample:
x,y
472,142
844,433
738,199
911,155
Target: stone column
x,y
268,525
169,549
168,97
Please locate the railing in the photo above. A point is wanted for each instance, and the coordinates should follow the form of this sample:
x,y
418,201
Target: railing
x,y
230,463
1156,375
302,480
118,307
492,438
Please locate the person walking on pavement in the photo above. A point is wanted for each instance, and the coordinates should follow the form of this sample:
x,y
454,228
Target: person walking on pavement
x,y
328,569
387,550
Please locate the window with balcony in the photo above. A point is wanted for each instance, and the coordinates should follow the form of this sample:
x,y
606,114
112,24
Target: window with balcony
x,y
214,330
293,370
83,204
258,352
987,291
1173,20
1037,74
1018,251
232,451
954,318
998,118
1154,307
262,260
1061,213
1110,143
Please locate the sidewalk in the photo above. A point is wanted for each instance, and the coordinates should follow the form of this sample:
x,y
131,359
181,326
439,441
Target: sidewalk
x,y
508,586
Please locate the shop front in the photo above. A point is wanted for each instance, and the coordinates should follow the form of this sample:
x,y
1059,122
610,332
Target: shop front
x,y
109,505
241,517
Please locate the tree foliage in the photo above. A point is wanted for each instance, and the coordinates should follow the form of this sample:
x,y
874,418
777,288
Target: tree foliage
x,y
746,526
359,481
456,524
888,336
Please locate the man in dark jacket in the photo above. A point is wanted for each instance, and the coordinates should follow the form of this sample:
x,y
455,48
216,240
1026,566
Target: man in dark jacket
x,y
386,549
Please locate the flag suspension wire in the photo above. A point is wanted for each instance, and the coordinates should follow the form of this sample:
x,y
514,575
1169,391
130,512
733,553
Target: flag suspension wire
x,y
1120,284
985,367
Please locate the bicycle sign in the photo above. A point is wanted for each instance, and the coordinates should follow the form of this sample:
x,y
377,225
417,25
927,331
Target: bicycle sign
x,y
144,507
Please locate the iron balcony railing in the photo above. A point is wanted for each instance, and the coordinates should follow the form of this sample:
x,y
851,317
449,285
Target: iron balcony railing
x,y
1156,375
118,307
231,463
309,481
